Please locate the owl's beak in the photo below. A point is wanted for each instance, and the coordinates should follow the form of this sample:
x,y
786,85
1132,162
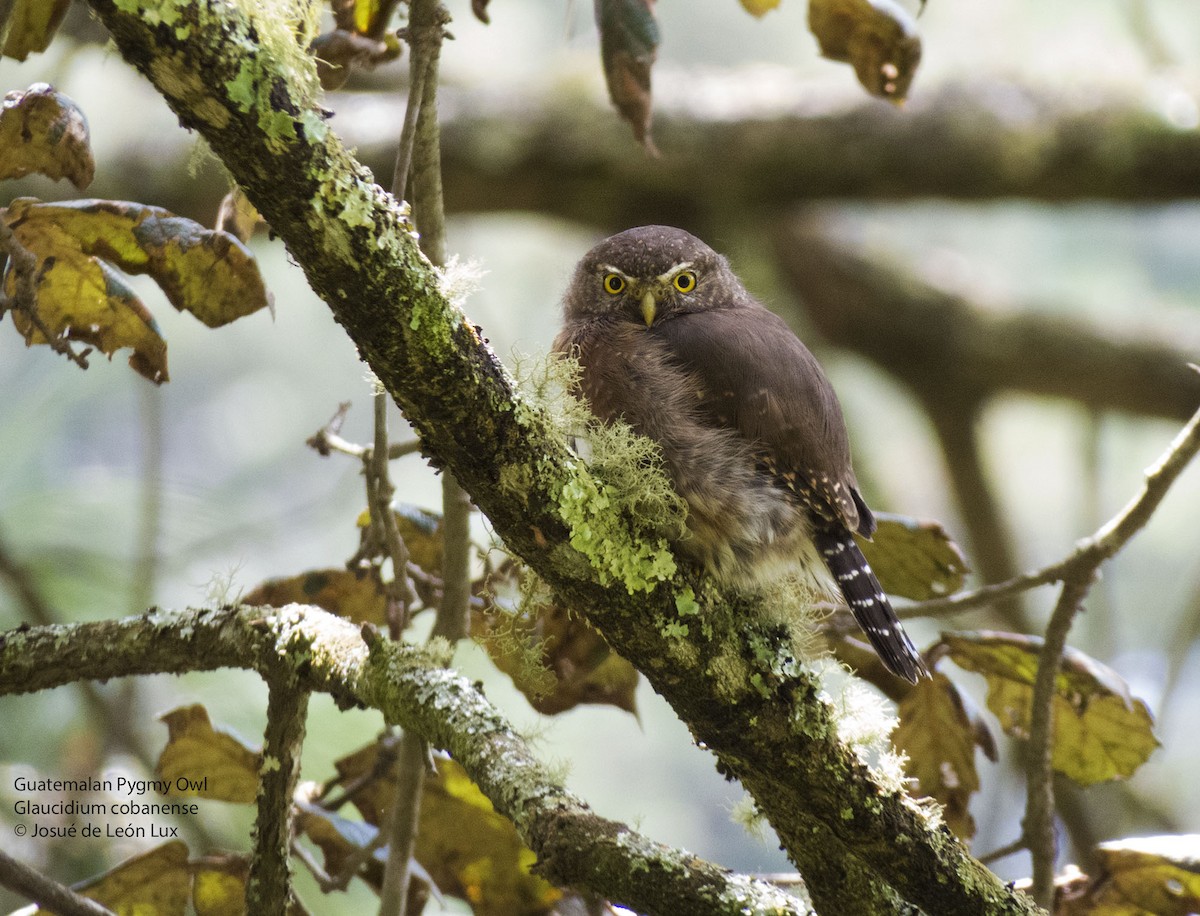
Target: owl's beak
x,y
649,308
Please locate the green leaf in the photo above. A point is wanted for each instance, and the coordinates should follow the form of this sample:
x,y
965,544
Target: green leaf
x,y
629,40
877,37
1100,732
43,131
199,760
914,559
940,738
32,26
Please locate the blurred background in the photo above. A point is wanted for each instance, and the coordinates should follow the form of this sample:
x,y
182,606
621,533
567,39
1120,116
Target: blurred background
x,y
1046,168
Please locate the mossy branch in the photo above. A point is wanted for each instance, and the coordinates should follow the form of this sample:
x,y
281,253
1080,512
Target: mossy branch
x,y
732,679
300,648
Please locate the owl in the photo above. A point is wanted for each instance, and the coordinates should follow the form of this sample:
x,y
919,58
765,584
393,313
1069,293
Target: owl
x,y
751,432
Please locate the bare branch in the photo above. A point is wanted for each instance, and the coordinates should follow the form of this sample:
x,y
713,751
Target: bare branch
x,y
270,880
19,877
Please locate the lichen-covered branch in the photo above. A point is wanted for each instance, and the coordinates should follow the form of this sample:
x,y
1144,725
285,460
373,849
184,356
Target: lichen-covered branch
x,y
728,672
270,880
310,649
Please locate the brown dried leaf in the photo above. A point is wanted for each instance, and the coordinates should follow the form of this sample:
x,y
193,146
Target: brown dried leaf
x,y
32,26
340,51
628,45
878,38
940,738
557,660
479,8
43,131
201,761
1100,731
356,594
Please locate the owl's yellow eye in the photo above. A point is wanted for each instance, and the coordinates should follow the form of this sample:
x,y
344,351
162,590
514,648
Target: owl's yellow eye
x,y
685,281
614,283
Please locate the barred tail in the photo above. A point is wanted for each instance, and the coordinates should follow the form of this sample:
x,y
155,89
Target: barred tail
x,y
868,603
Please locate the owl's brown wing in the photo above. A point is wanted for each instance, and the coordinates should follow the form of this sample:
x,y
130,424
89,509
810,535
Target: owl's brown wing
x,y
758,378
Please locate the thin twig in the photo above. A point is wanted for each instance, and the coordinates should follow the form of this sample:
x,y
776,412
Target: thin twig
x,y
1092,551
27,882
270,879
380,490
420,153
1003,852
1080,571
327,440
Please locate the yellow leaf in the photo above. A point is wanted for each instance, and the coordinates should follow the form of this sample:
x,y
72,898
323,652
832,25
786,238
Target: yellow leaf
x,y
77,293
474,853
366,12
759,7
877,37
1159,874
1142,876
32,25
43,131
219,886
1100,732
914,559
152,884
468,849
199,760
79,297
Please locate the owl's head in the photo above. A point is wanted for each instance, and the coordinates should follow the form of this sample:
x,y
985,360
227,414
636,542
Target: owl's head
x,y
647,275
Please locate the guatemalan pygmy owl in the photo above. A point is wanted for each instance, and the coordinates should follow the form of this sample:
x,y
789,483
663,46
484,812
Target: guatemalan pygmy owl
x,y
751,432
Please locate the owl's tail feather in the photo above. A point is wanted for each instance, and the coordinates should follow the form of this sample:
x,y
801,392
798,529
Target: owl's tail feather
x,y
869,605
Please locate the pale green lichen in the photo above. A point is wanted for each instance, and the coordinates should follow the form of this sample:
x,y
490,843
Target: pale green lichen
x,y
598,515
685,602
675,630
617,502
